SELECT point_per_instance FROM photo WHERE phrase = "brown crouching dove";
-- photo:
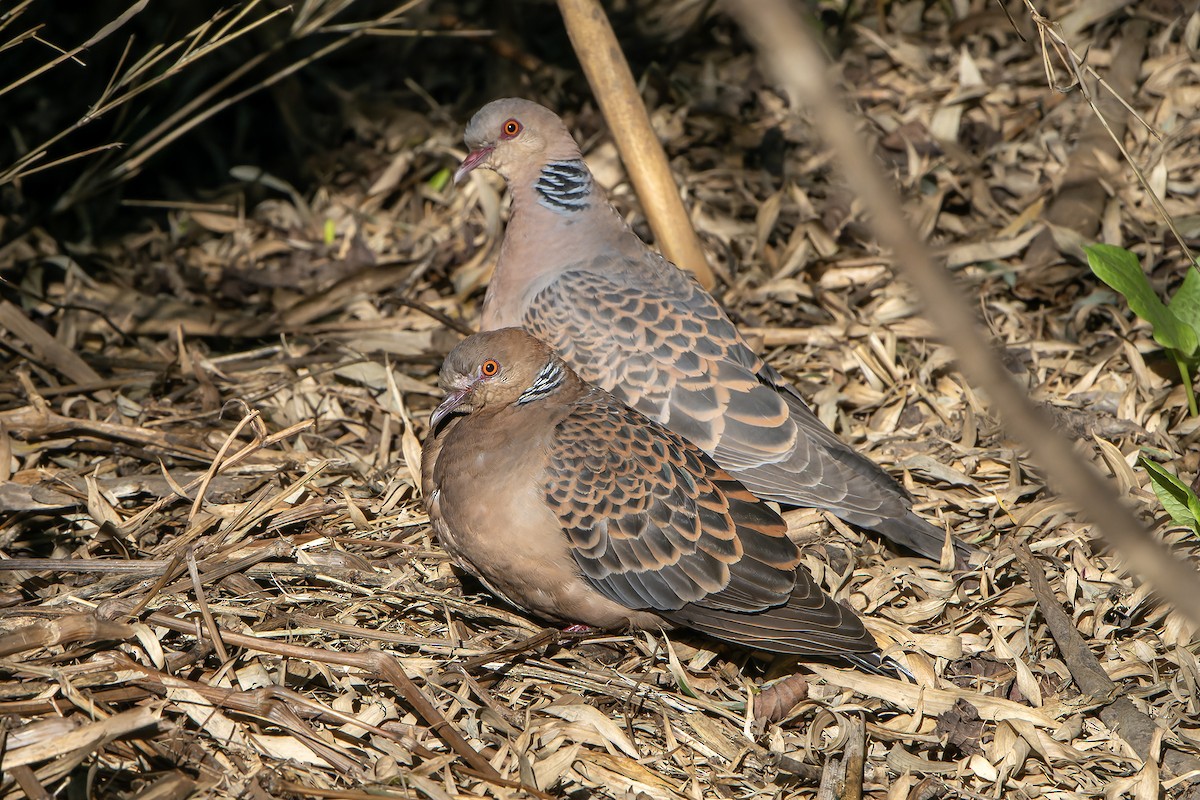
(565, 501)
(572, 273)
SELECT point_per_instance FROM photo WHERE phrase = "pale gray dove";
(566, 502)
(572, 272)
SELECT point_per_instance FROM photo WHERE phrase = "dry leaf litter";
(220, 430)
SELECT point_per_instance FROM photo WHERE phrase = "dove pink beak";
(473, 160)
(452, 401)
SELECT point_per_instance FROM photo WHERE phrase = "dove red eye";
(510, 129)
(489, 368)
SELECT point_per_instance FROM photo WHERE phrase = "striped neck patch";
(564, 186)
(545, 384)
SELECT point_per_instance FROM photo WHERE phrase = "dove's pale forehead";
(485, 125)
(509, 346)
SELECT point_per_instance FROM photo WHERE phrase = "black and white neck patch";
(565, 186)
(545, 384)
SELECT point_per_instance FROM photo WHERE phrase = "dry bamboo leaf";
(939, 471)
(1085, 15)
(718, 738)
(62, 357)
(150, 644)
(1149, 783)
(935, 701)
(410, 446)
(392, 175)
(993, 250)
(1118, 465)
(217, 223)
(207, 716)
(8, 465)
(85, 738)
(768, 215)
(287, 749)
(591, 717)
(983, 768)
(1009, 749)
(625, 776)
(474, 273)
(903, 761)
(100, 508)
(550, 769)
(1026, 682)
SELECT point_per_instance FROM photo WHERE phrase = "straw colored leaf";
(591, 717)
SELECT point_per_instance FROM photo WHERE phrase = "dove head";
(497, 369)
(515, 137)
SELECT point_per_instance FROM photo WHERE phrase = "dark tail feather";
(921, 537)
(822, 628)
(876, 664)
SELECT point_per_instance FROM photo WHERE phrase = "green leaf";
(1185, 305)
(1120, 269)
(1194, 507)
(1184, 365)
(1177, 498)
(439, 179)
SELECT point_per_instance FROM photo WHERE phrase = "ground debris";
(217, 577)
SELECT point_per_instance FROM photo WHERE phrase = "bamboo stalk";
(612, 83)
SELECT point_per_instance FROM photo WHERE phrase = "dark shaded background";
(289, 129)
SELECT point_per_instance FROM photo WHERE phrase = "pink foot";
(577, 629)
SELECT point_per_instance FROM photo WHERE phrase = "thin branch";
(1051, 31)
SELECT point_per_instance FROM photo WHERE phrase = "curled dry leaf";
(960, 728)
(773, 703)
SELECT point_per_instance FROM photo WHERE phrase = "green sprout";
(1176, 324)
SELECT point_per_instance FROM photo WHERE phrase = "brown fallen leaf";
(774, 702)
(960, 728)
